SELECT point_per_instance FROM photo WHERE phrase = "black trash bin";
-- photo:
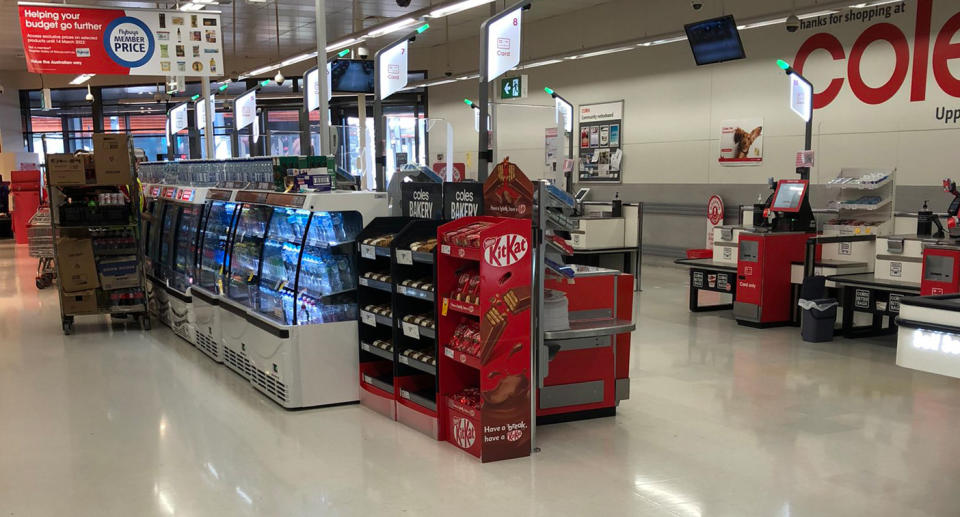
(819, 313)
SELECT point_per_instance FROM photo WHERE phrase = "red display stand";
(25, 191)
(485, 378)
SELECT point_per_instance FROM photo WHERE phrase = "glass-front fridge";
(151, 232)
(215, 245)
(171, 213)
(281, 256)
(328, 269)
(185, 247)
(244, 281)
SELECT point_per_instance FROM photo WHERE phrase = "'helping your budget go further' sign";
(60, 39)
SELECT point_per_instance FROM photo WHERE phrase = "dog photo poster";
(741, 142)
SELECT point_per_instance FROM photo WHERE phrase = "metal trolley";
(114, 231)
(40, 243)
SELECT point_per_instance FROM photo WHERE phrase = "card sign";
(801, 97)
(503, 45)
(463, 199)
(201, 111)
(392, 67)
(62, 39)
(178, 118)
(368, 252)
(368, 318)
(564, 114)
(312, 81)
(422, 200)
(405, 257)
(411, 330)
(245, 112)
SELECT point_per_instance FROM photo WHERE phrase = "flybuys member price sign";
(59, 39)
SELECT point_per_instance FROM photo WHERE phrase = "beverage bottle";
(336, 220)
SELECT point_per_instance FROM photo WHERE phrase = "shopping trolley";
(40, 243)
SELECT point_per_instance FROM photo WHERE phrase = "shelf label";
(411, 330)
(445, 249)
(405, 257)
(364, 282)
(846, 248)
(365, 347)
(368, 252)
(405, 394)
(369, 318)
(447, 351)
(404, 360)
(445, 306)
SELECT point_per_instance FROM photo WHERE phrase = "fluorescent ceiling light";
(297, 59)
(82, 78)
(667, 40)
(457, 7)
(546, 62)
(765, 23)
(603, 52)
(342, 44)
(393, 27)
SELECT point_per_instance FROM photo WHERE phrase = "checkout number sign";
(714, 217)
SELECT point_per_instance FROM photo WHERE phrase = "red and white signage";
(715, 213)
(60, 39)
(505, 250)
(503, 49)
(393, 70)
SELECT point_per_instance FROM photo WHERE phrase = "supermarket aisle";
(723, 421)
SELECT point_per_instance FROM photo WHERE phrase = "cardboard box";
(66, 170)
(114, 159)
(81, 302)
(119, 273)
(77, 267)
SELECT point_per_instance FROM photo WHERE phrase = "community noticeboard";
(60, 39)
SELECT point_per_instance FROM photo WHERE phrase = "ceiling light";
(82, 78)
(667, 40)
(603, 52)
(297, 59)
(535, 64)
(393, 27)
(191, 7)
(765, 23)
(341, 44)
(457, 7)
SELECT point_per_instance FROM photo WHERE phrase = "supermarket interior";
(538, 257)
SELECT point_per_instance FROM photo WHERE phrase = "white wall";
(674, 109)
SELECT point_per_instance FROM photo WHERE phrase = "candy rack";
(484, 331)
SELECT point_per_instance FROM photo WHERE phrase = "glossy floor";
(723, 420)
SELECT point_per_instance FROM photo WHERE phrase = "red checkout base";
(763, 296)
(941, 271)
(588, 376)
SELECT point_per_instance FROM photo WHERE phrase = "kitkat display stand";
(484, 274)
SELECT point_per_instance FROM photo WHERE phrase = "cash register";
(764, 297)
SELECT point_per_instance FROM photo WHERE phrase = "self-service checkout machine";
(941, 260)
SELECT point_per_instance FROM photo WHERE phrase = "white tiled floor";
(724, 421)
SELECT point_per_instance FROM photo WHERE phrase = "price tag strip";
(368, 252)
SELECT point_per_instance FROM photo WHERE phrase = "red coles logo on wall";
(505, 250)
(933, 49)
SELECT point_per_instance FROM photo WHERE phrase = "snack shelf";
(471, 309)
(415, 331)
(373, 319)
(460, 252)
(485, 354)
(418, 364)
(371, 252)
(375, 350)
(376, 284)
(378, 383)
(418, 399)
(415, 293)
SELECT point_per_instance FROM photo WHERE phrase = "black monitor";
(715, 40)
(352, 76)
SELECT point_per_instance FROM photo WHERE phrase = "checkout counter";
(603, 239)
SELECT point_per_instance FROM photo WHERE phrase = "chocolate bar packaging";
(508, 192)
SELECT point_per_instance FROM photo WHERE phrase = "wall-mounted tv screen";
(352, 76)
(715, 40)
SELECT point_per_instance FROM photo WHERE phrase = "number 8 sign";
(503, 47)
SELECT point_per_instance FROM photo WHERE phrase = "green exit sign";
(513, 87)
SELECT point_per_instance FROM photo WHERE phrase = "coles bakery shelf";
(484, 274)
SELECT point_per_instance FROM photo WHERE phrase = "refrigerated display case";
(190, 207)
(150, 224)
(289, 314)
(160, 247)
(242, 279)
(213, 262)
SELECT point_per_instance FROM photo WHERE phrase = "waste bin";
(819, 313)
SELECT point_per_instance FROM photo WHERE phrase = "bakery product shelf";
(376, 284)
(417, 364)
(419, 294)
(377, 351)
(419, 399)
